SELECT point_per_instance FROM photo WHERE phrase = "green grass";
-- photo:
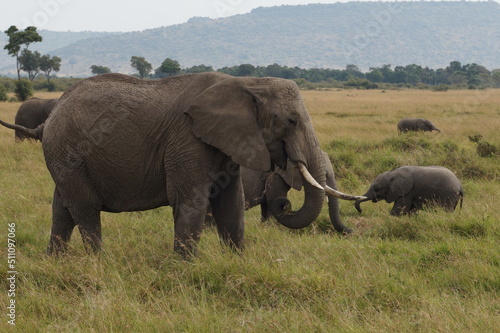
(431, 272)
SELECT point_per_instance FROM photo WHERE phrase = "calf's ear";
(400, 184)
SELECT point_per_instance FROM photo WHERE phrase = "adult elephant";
(33, 113)
(117, 143)
(411, 187)
(416, 124)
(264, 188)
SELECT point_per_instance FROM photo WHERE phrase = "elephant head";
(426, 125)
(388, 186)
(276, 128)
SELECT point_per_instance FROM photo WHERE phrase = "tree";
(375, 75)
(23, 89)
(455, 66)
(30, 63)
(168, 67)
(17, 39)
(199, 69)
(246, 70)
(99, 69)
(48, 64)
(141, 65)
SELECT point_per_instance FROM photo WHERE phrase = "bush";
(3, 93)
(484, 148)
(441, 87)
(23, 90)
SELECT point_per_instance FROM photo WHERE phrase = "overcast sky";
(120, 15)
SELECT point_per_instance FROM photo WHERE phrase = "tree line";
(472, 76)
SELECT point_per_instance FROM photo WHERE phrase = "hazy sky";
(119, 15)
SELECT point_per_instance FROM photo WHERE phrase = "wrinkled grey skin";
(263, 188)
(412, 187)
(33, 113)
(416, 124)
(116, 143)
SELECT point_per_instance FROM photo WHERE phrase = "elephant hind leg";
(62, 227)
(84, 213)
(228, 207)
(90, 229)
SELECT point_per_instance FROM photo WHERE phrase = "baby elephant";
(411, 187)
(33, 113)
(416, 124)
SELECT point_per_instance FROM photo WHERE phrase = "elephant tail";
(461, 194)
(35, 133)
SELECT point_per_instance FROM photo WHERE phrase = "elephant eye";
(292, 120)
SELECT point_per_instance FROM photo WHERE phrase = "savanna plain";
(430, 272)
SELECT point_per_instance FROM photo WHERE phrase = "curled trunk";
(313, 202)
(358, 202)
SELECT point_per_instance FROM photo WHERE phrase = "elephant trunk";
(358, 202)
(313, 202)
(334, 210)
(35, 133)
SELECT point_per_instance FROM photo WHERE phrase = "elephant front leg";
(189, 219)
(402, 206)
(228, 205)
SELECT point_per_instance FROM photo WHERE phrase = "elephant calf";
(416, 124)
(33, 113)
(411, 187)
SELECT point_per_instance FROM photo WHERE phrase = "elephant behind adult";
(33, 113)
(263, 188)
(412, 187)
(117, 143)
(416, 124)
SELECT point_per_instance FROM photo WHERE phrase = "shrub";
(3, 93)
(441, 87)
(486, 149)
(23, 89)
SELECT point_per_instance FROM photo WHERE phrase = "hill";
(366, 34)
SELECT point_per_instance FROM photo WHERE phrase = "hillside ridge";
(367, 34)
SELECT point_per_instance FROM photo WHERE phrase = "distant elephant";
(411, 187)
(416, 124)
(117, 143)
(33, 113)
(263, 188)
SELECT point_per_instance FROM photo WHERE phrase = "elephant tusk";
(307, 176)
(342, 195)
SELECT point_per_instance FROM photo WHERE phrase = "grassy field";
(431, 272)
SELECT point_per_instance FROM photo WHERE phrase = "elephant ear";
(291, 175)
(225, 116)
(400, 184)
